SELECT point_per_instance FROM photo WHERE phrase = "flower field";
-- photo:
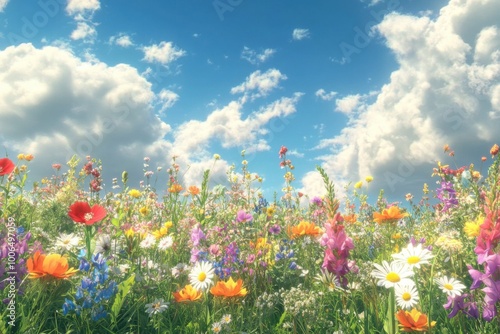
(183, 258)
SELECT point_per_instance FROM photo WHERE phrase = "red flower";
(81, 212)
(6, 166)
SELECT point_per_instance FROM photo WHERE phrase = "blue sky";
(372, 87)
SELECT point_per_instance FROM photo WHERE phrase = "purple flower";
(275, 229)
(197, 235)
(460, 303)
(243, 217)
(317, 201)
(447, 195)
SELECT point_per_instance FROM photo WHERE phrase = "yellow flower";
(144, 211)
(168, 224)
(358, 185)
(134, 193)
(162, 231)
(426, 188)
(472, 228)
(20, 156)
(130, 233)
(270, 211)
(216, 156)
(369, 179)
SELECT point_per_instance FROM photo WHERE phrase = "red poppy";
(81, 212)
(6, 166)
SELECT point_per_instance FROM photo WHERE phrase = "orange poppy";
(389, 215)
(305, 228)
(413, 321)
(187, 294)
(54, 265)
(193, 190)
(229, 288)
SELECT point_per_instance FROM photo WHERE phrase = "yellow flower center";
(448, 286)
(88, 216)
(393, 277)
(406, 296)
(66, 241)
(202, 276)
(413, 259)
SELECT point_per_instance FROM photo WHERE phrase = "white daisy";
(226, 319)
(390, 274)
(201, 276)
(148, 241)
(158, 306)
(216, 327)
(67, 241)
(165, 243)
(414, 255)
(452, 287)
(406, 295)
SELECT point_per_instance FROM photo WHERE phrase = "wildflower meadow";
(189, 258)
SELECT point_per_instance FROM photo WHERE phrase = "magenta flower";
(243, 217)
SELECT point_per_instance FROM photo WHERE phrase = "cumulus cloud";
(262, 83)
(82, 6)
(84, 31)
(347, 104)
(255, 58)
(122, 40)
(299, 34)
(82, 12)
(445, 91)
(3, 4)
(322, 94)
(228, 126)
(163, 53)
(55, 105)
(167, 99)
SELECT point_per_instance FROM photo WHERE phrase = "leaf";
(123, 289)
(390, 321)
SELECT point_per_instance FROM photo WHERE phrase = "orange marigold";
(187, 294)
(305, 228)
(194, 190)
(389, 215)
(54, 265)
(413, 321)
(229, 288)
(175, 188)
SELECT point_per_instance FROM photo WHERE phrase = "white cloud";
(322, 94)
(3, 4)
(54, 105)
(122, 40)
(230, 128)
(255, 58)
(347, 104)
(82, 12)
(81, 6)
(445, 91)
(84, 31)
(299, 34)
(163, 53)
(263, 83)
(167, 99)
